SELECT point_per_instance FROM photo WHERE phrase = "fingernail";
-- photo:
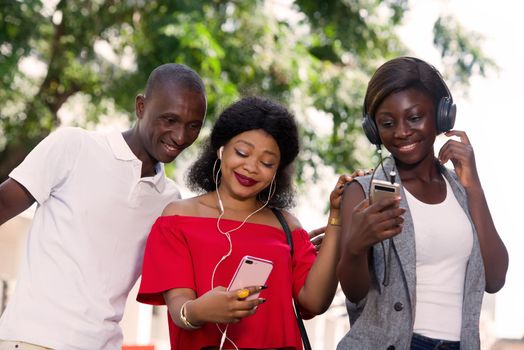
(340, 187)
(262, 300)
(263, 287)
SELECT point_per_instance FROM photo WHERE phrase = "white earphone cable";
(272, 189)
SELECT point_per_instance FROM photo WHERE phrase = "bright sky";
(492, 103)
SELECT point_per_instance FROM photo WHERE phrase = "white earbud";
(220, 151)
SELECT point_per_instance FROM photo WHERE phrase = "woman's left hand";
(317, 236)
(463, 158)
(336, 194)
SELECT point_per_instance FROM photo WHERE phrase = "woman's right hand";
(374, 223)
(222, 306)
(363, 225)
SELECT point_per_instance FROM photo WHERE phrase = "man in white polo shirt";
(98, 195)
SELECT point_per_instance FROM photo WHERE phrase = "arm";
(45, 167)
(317, 235)
(352, 269)
(321, 283)
(494, 253)
(216, 306)
(363, 226)
(14, 199)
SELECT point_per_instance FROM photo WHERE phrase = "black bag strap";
(301, 327)
(285, 226)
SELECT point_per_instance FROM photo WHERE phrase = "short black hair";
(251, 113)
(174, 74)
(404, 73)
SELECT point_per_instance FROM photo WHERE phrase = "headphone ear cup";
(446, 114)
(370, 130)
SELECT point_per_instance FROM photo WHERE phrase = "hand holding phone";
(251, 271)
(383, 189)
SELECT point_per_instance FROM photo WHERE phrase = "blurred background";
(82, 63)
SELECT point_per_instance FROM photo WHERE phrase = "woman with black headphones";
(414, 266)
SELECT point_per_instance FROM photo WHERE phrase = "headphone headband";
(417, 61)
(436, 71)
(445, 110)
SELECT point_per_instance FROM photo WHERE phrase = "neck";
(132, 139)
(425, 171)
(234, 205)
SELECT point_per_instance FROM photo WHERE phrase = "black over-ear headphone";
(445, 118)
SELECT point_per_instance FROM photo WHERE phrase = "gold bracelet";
(184, 319)
(334, 221)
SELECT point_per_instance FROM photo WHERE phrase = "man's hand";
(316, 236)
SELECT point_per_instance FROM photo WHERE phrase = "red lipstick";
(245, 181)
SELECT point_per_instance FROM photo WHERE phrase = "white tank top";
(444, 239)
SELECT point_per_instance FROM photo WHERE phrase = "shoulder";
(184, 207)
(363, 181)
(58, 151)
(70, 133)
(72, 137)
(291, 220)
(355, 188)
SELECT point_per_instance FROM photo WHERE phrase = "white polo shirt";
(85, 247)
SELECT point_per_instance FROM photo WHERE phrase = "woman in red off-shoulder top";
(195, 247)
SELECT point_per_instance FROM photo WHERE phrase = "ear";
(140, 105)
(220, 152)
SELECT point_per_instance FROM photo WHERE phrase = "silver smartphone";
(251, 271)
(383, 189)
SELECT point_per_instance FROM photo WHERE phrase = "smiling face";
(249, 162)
(169, 121)
(406, 125)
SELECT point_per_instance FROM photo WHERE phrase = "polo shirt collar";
(159, 179)
(121, 151)
(119, 146)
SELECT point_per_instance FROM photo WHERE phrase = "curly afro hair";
(251, 113)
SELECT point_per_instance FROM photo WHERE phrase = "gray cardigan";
(384, 319)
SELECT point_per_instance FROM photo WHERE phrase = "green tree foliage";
(314, 56)
(461, 50)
